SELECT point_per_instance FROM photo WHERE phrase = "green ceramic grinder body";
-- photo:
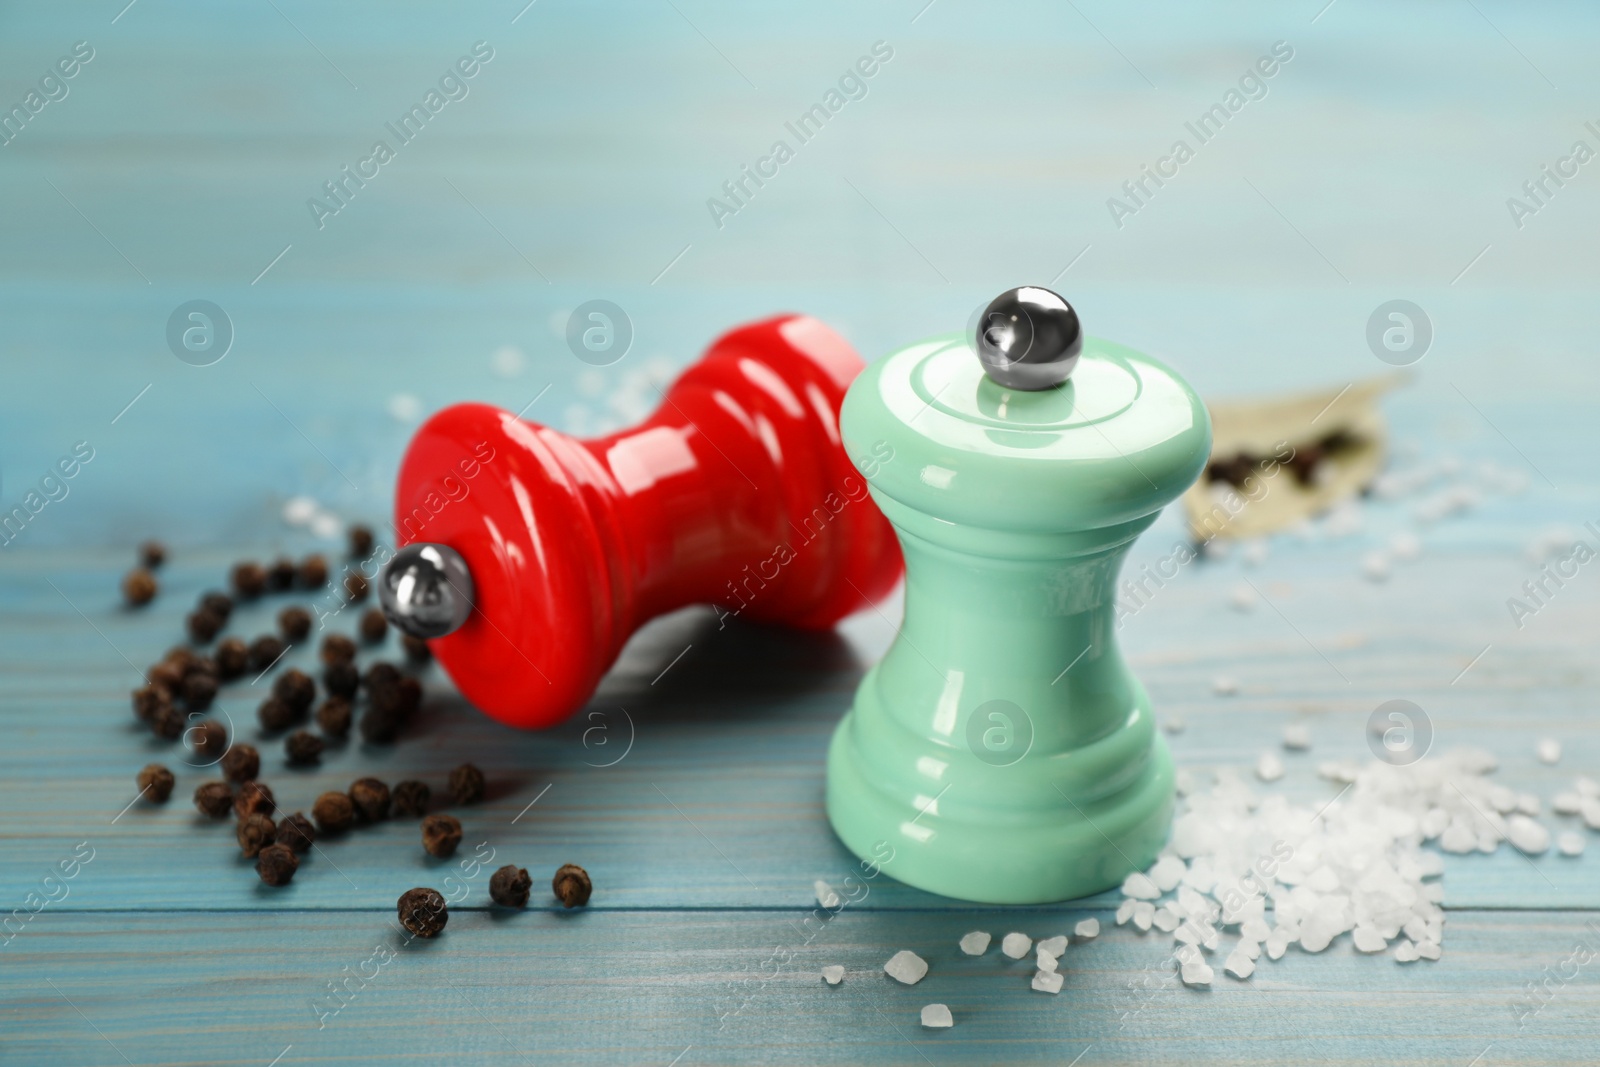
(1002, 751)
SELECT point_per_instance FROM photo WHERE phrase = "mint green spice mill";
(1002, 748)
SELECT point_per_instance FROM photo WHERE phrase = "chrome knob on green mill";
(1002, 751)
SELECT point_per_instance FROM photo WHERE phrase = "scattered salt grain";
(1297, 737)
(1528, 836)
(1255, 552)
(936, 1017)
(1277, 944)
(1014, 945)
(1405, 952)
(1195, 972)
(1173, 724)
(299, 510)
(326, 526)
(1269, 768)
(1144, 913)
(1055, 946)
(1124, 913)
(1527, 803)
(1224, 686)
(1367, 939)
(1046, 962)
(1570, 843)
(1549, 750)
(1429, 950)
(1140, 887)
(404, 407)
(1048, 981)
(1165, 919)
(1375, 567)
(1590, 810)
(975, 943)
(1586, 786)
(1405, 545)
(1167, 873)
(906, 967)
(826, 896)
(1568, 803)
(1242, 597)
(1239, 964)
(833, 975)
(1087, 929)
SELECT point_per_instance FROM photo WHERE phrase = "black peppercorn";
(417, 650)
(253, 798)
(355, 587)
(168, 722)
(422, 912)
(209, 739)
(381, 674)
(280, 575)
(255, 832)
(303, 747)
(297, 832)
(152, 554)
(200, 663)
(466, 784)
(139, 587)
(275, 715)
(440, 835)
(337, 648)
(341, 680)
(571, 885)
(199, 690)
(360, 542)
(203, 626)
(218, 603)
(313, 572)
(155, 783)
(248, 579)
(509, 886)
(276, 864)
(374, 626)
(334, 813)
(334, 717)
(411, 798)
(166, 676)
(295, 688)
(214, 799)
(233, 657)
(241, 763)
(265, 651)
(149, 699)
(294, 623)
(371, 798)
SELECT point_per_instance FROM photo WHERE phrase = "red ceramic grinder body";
(736, 492)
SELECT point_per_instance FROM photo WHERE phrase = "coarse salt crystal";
(1139, 886)
(975, 943)
(299, 510)
(826, 895)
(1224, 686)
(1124, 912)
(1297, 736)
(936, 1017)
(1528, 836)
(1570, 843)
(1048, 981)
(1405, 545)
(1375, 567)
(906, 967)
(1016, 945)
(1405, 952)
(1429, 950)
(1167, 872)
(1144, 913)
(1173, 724)
(1239, 964)
(1269, 768)
(1368, 940)
(833, 975)
(1165, 919)
(1568, 803)
(1045, 961)
(326, 526)
(1087, 929)
(1196, 973)
(1590, 810)
(1242, 597)
(1055, 946)
(1586, 786)
(1549, 750)
(1255, 552)
(1528, 803)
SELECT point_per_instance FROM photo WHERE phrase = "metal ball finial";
(426, 590)
(1029, 339)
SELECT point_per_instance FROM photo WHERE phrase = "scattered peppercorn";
(241, 763)
(214, 799)
(356, 587)
(275, 715)
(199, 690)
(167, 676)
(149, 699)
(253, 798)
(168, 723)
(248, 579)
(255, 832)
(181, 657)
(276, 864)
(297, 832)
(509, 886)
(265, 651)
(440, 835)
(313, 572)
(466, 784)
(303, 747)
(422, 912)
(374, 626)
(411, 798)
(294, 623)
(218, 603)
(295, 688)
(360, 542)
(334, 813)
(152, 554)
(334, 717)
(155, 783)
(388, 708)
(203, 626)
(139, 587)
(232, 658)
(280, 575)
(380, 674)
(209, 738)
(337, 648)
(572, 886)
(341, 680)
(417, 650)
(371, 798)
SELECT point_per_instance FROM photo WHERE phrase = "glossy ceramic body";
(1002, 751)
(737, 491)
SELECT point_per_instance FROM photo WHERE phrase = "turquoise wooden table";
(189, 157)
